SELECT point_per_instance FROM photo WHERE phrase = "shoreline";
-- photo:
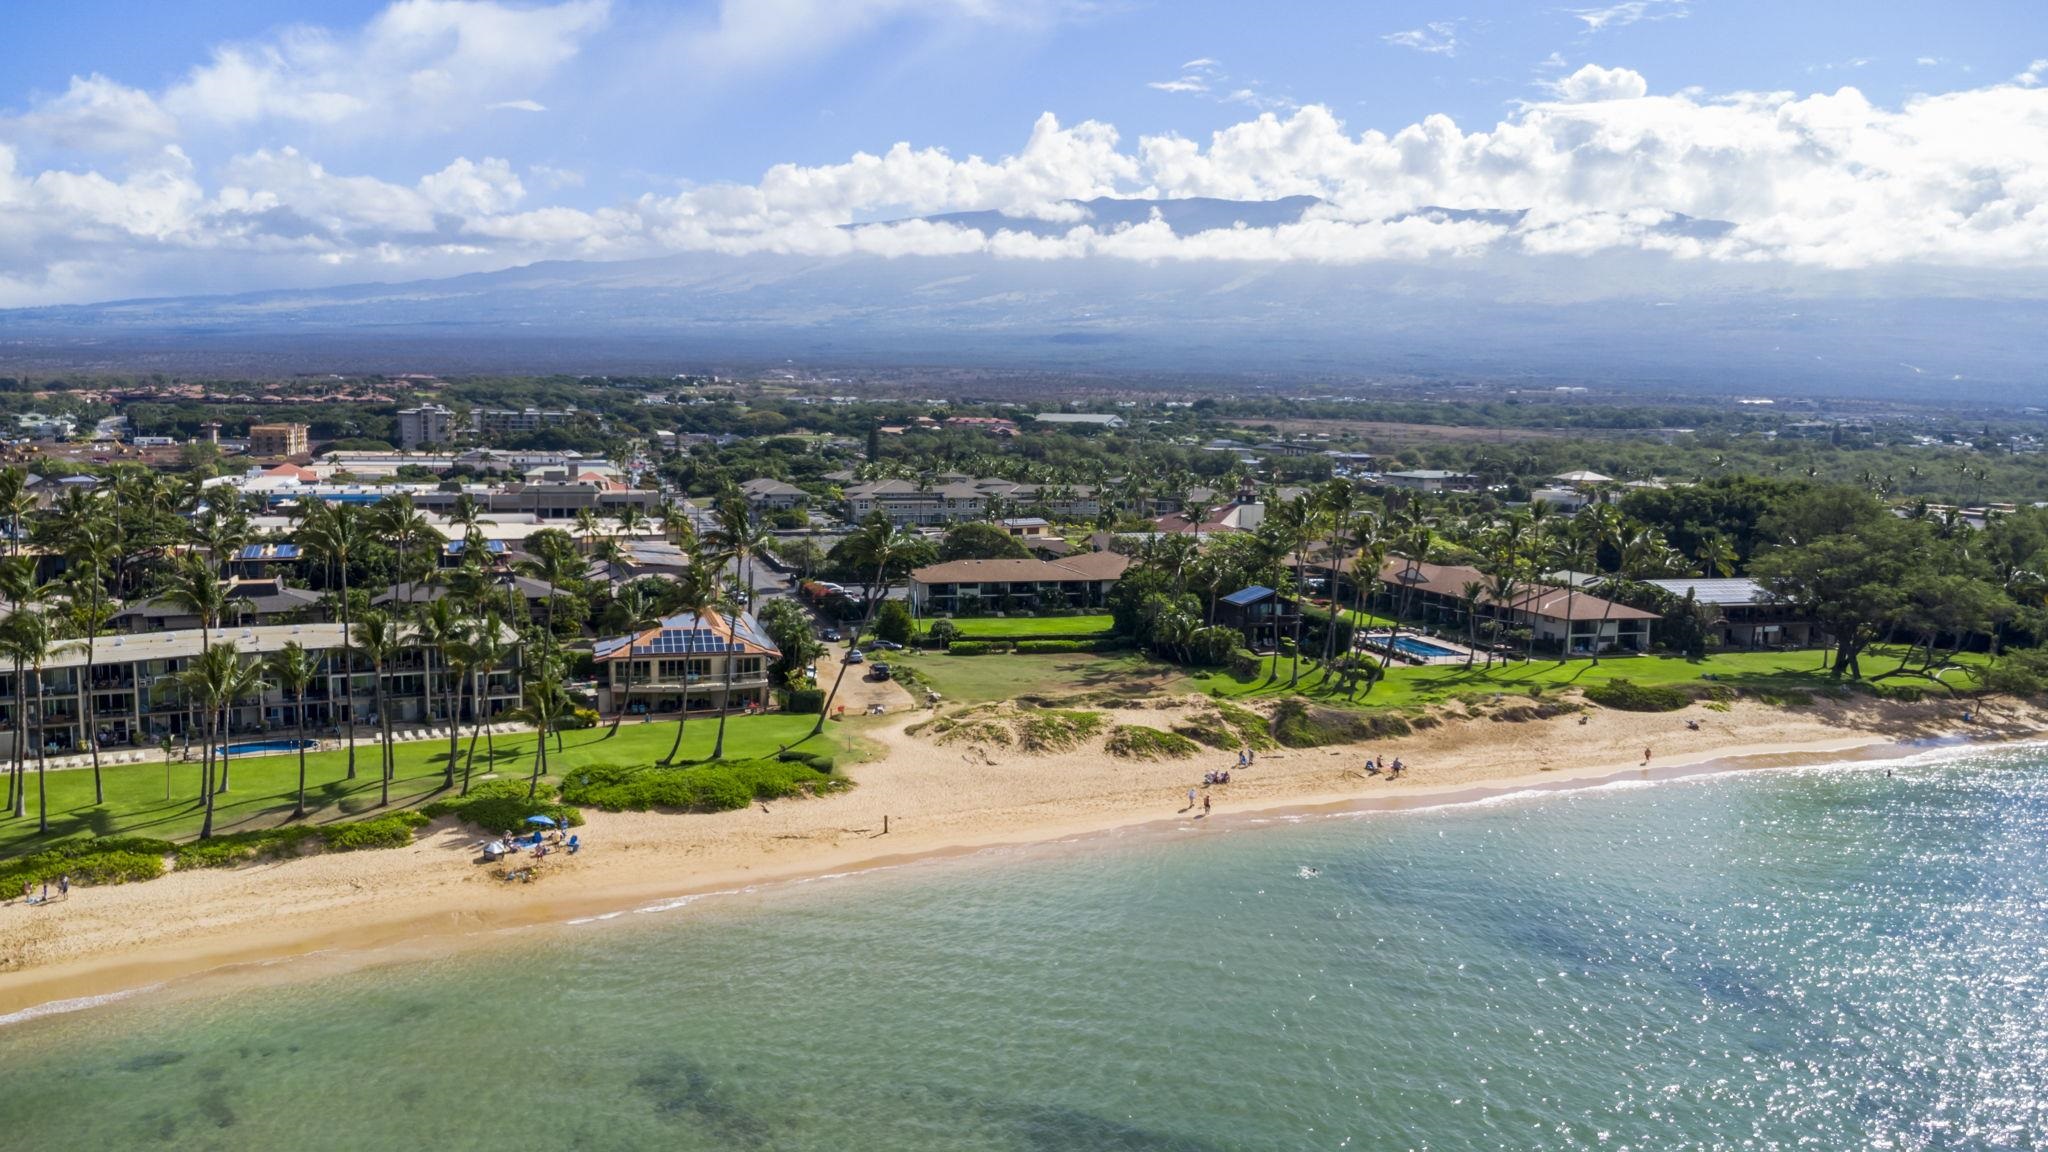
(227, 934)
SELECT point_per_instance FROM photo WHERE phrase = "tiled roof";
(1086, 566)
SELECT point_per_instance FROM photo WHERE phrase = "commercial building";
(1430, 480)
(496, 422)
(279, 440)
(955, 499)
(427, 424)
(706, 663)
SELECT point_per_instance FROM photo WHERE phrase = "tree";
(545, 703)
(88, 611)
(631, 612)
(437, 627)
(377, 635)
(975, 540)
(1851, 582)
(18, 587)
(332, 534)
(215, 680)
(878, 546)
(893, 622)
(30, 639)
(790, 628)
(482, 651)
(296, 669)
(403, 527)
(556, 563)
(692, 595)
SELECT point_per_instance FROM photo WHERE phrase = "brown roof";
(1085, 566)
(1536, 599)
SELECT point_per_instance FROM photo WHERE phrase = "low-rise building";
(1082, 580)
(1746, 614)
(1429, 480)
(766, 495)
(689, 662)
(136, 699)
(1558, 617)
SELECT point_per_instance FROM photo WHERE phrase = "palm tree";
(19, 589)
(30, 639)
(15, 503)
(296, 669)
(400, 524)
(1502, 586)
(739, 538)
(1336, 500)
(332, 533)
(692, 595)
(557, 563)
(1716, 556)
(545, 704)
(1471, 591)
(216, 680)
(631, 612)
(437, 626)
(377, 635)
(88, 611)
(483, 650)
(878, 544)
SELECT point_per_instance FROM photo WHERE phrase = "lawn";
(264, 786)
(1004, 677)
(1408, 685)
(1028, 626)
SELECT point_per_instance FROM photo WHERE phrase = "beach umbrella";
(541, 820)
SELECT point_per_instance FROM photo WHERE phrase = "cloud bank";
(1601, 163)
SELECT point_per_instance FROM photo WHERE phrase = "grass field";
(265, 786)
(980, 626)
(1001, 677)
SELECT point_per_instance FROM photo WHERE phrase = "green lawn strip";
(1014, 627)
(967, 679)
(264, 786)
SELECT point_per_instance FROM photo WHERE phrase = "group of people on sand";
(28, 891)
(1375, 765)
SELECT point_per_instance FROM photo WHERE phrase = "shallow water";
(1826, 958)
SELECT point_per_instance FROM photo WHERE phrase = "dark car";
(829, 635)
(879, 670)
(886, 645)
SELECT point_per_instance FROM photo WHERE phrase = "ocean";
(1850, 956)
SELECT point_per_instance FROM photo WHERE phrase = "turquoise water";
(1826, 958)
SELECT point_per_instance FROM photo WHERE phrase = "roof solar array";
(686, 641)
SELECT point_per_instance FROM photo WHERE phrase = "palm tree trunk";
(453, 699)
(868, 614)
(16, 799)
(299, 813)
(206, 774)
(348, 673)
(384, 738)
(724, 709)
(540, 762)
(99, 791)
(42, 762)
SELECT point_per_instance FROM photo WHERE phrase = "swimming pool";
(265, 747)
(1420, 649)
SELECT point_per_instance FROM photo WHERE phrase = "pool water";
(266, 747)
(1421, 649)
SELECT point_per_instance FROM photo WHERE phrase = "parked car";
(853, 656)
(829, 635)
(886, 645)
(879, 670)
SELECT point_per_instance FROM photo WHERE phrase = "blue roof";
(1251, 595)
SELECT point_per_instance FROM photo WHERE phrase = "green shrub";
(1628, 696)
(1297, 723)
(243, 847)
(806, 701)
(1245, 665)
(817, 761)
(715, 787)
(107, 860)
(1208, 728)
(976, 647)
(1136, 742)
(393, 830)
(941, 633)
(578, 718)
(893, 622)
(1051, 646)
(502, 806)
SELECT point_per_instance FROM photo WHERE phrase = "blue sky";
(602, 109)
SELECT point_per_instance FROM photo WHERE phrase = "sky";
(182, 147)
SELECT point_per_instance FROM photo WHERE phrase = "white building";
(427, 424)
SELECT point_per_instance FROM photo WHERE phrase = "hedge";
(108, 860)
(716, 787)
(1048, 647)
(502, 806)
(804, 700)
(391, 831)
(976, 648)
(1628, 696)
(816, 761)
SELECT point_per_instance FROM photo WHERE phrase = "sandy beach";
(937, 799)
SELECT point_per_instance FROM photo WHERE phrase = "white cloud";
(1630, 12)
(96, 114)
(517, 106)
(1831, 180)
(1198, 62)
(1593, 82)
(418, 65)
(1184, 84)
(1439, 37)
(2033, 74)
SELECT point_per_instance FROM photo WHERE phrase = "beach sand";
(937, 799)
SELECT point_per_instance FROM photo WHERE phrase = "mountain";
(1625, 319)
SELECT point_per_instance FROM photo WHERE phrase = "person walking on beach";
(1646, 755)
(1191, 801)
(64, 886)
(1205, 805)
